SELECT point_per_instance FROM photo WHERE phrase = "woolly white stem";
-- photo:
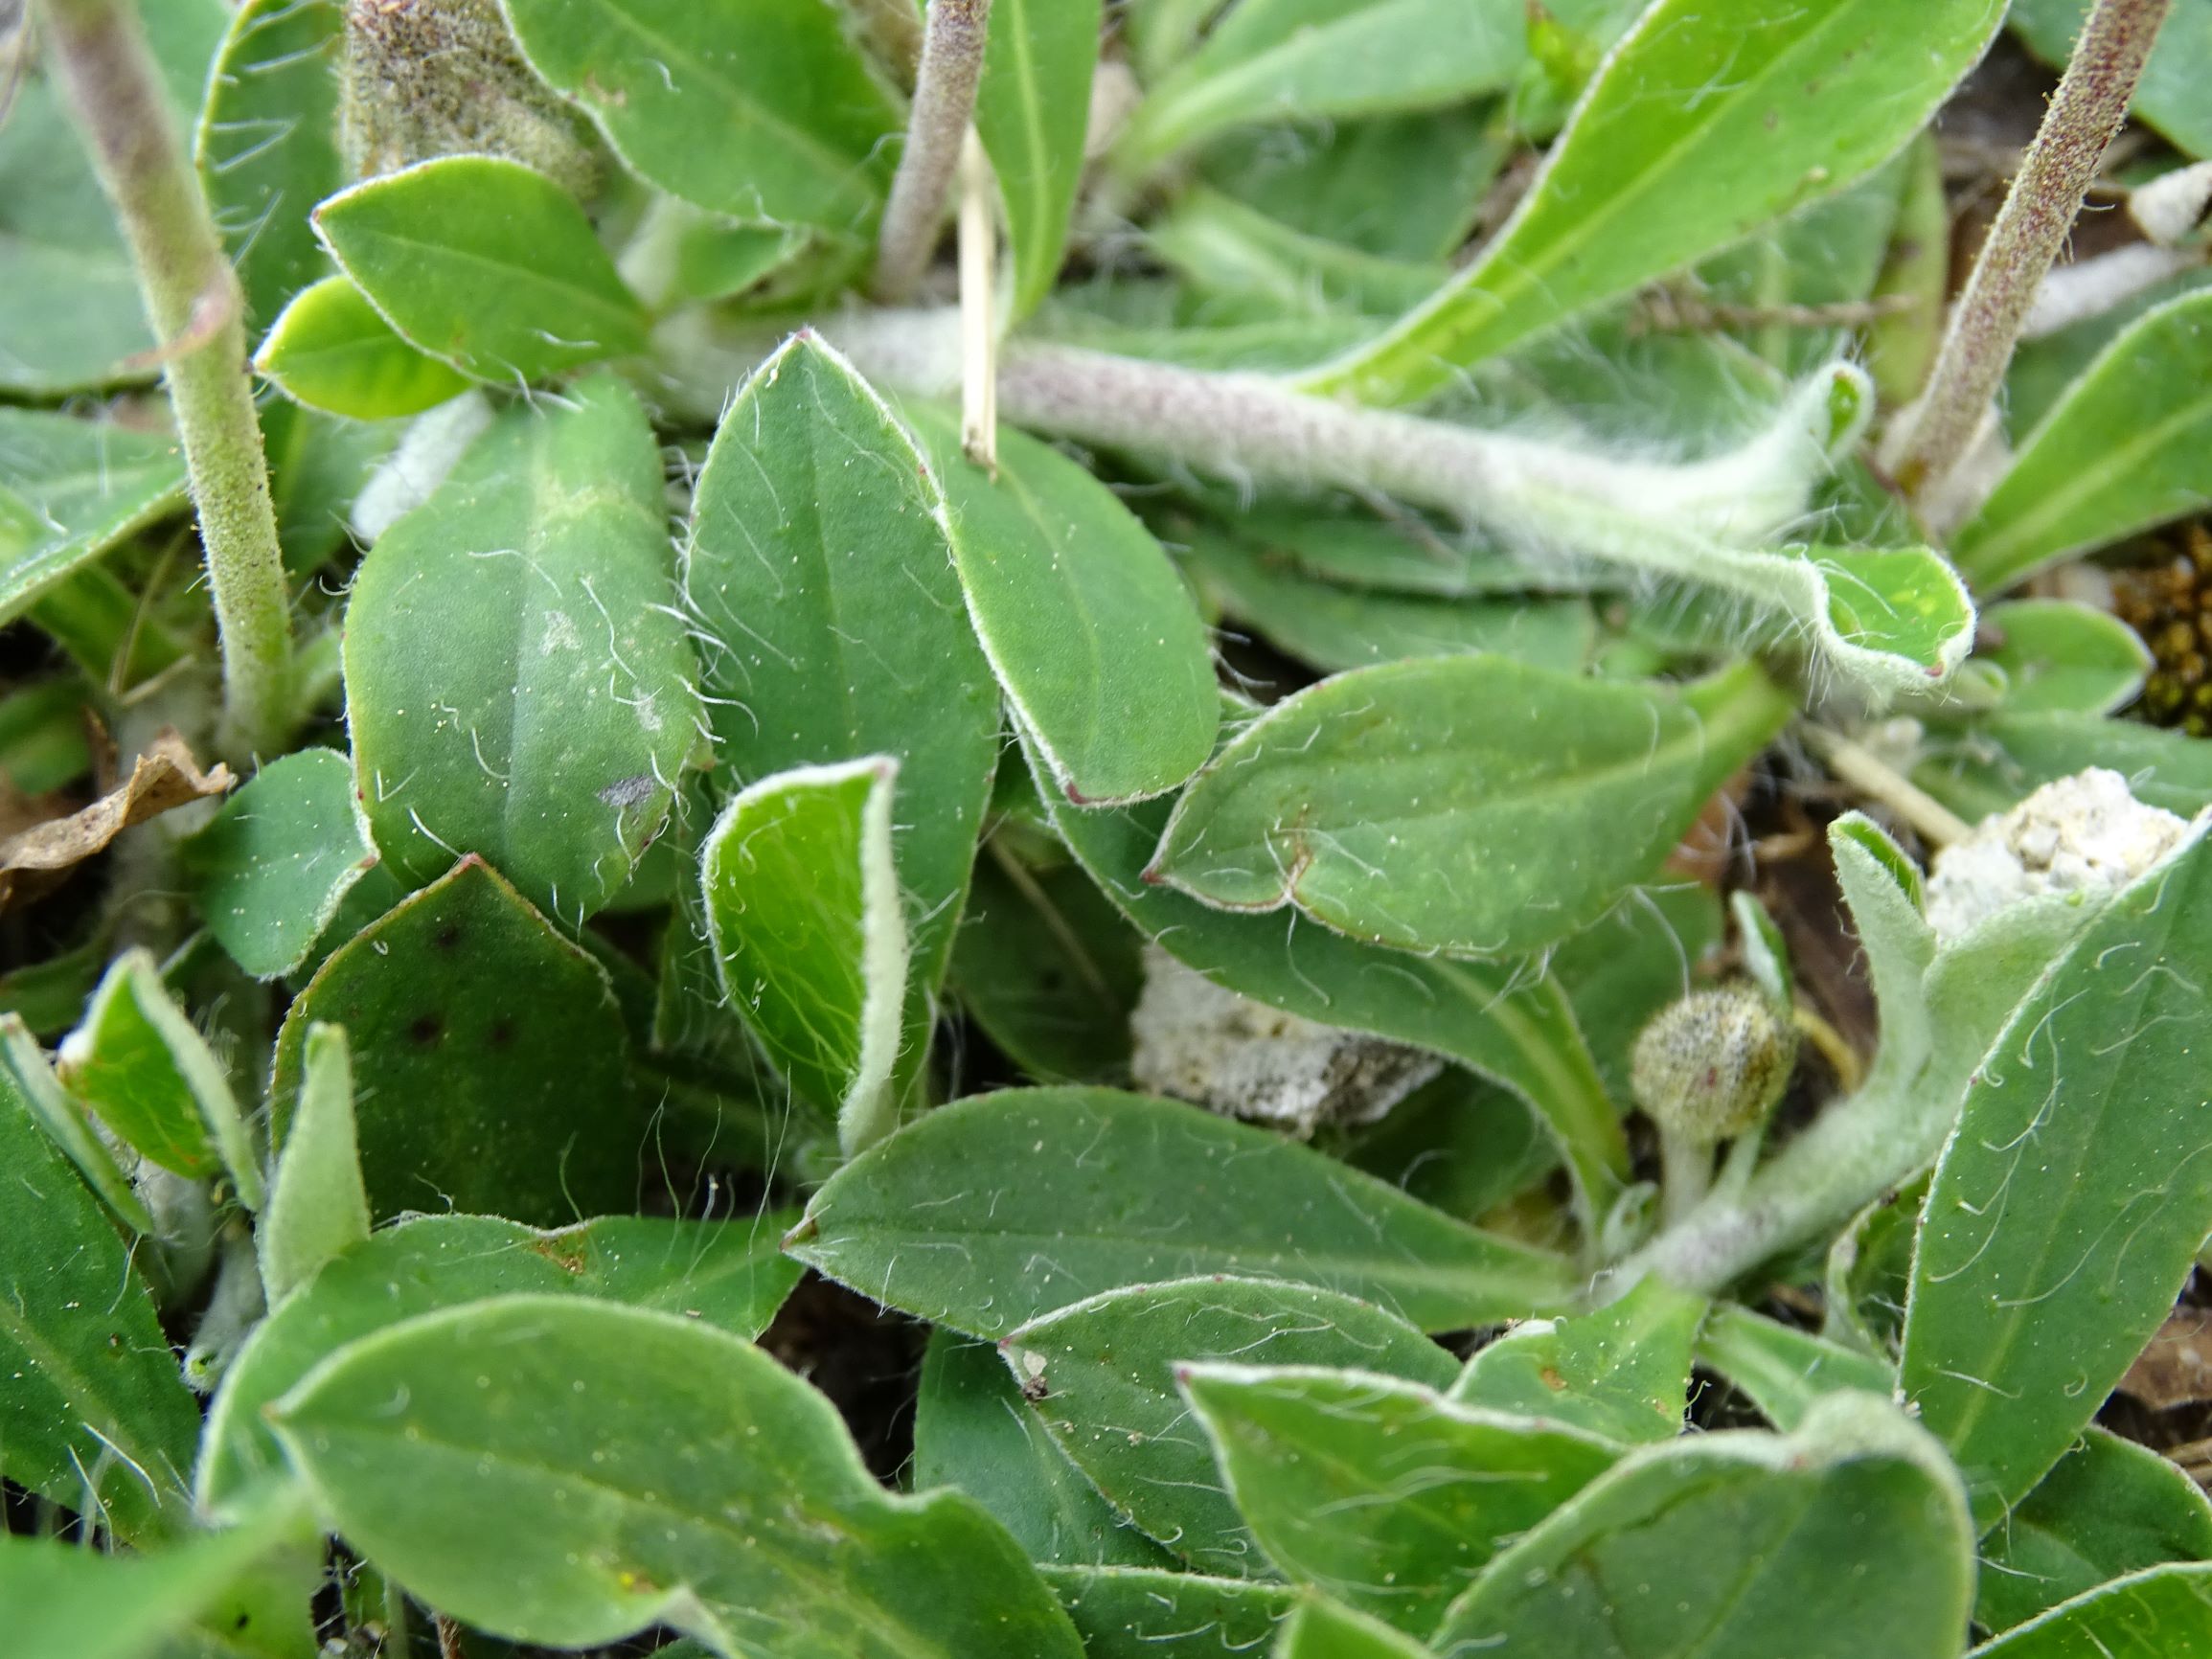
(978, 292)
(952, 41)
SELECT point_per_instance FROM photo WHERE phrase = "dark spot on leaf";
(502, 1034)
(426, 1030)
(448, 937)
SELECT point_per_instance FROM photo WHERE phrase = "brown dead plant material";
(162, 777)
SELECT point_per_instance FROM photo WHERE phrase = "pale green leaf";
(93, 1414)
(1275, 60)
(140, 1061)
(332, 350)
(2150, 1615)
(2110, 1507)
(570, 1472)
(1707, 121)
(519, 679)
(1084, 621)
(1324, 1629)
(1394, 804)
(1145, 1613)
(759, 109)
(1991, 765)
(1032, 110)
(318, 1208)
(2123, 450)
(2069, 1206)
(1848, 1540)
(830, 625)
(1621, 1370)
(726, 1273)
(1103, 1374)
(972, 1431)
(466, 996)
(69, 491)
(1786, 1372)
(1382, 1492)
(65, 1124)
(271, 869)
(1503, 1021)
(802, 904)
(267, 143)
(993, 1210)
(2062, 657)
(484, 263)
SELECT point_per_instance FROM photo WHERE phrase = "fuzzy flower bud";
(1711, 1066)
(430, 78)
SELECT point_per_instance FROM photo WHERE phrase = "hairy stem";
(2030, 229)
(192, 300)
(945, 84)
(1874, 778)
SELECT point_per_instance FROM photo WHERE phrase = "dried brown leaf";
(162, 779)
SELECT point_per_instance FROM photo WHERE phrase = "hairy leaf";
(1032, 111)
(1622, 1371)
(1394, 804)
(332, 350)
(483, 263)
(1385, 1494)
(518, 682)
(726, 1273)
(993, 1210)
(1706, 122)
(569, 1473)
(69, 491)
(1103, 1376)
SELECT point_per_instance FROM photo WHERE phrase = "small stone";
(1199, 1042)
(2085, 834)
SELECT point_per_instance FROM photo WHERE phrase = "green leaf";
(1632, 963)
(993, 1210)
(1103, 1374)
(1048, 969)
(74, 321)
(1392, 804)
(2169, 96)
(1503, 1020)
(267, 143)
(1145, 1613)
(1336, 628)
(830, 624)
(2106, 1509)
(1622, 1371)
(1274, 60)
(760, 109)
(1226, 250)
(1787, 1371)
(140, 1063)
(61, 1598)
(972, 1431)
(1848, 1540)
(1032, 110)
(272, 868)
(2069, 1204)
(2063, 657)
(66, 1126)
(802, 906)
(332, 350)
(69, 491)
(1382, 1493)
(318, 1208)
(489, 1054)
(690, 1481)
(1869, 1271)
(93, 1414)
(1707, 121)
(484, 263)
(1406, 188)
(1084, 621)
(2150, 1615)
(727, 1273)
(518, 680)
(2121, 451)
(1989, 766)
(1324, 1629)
